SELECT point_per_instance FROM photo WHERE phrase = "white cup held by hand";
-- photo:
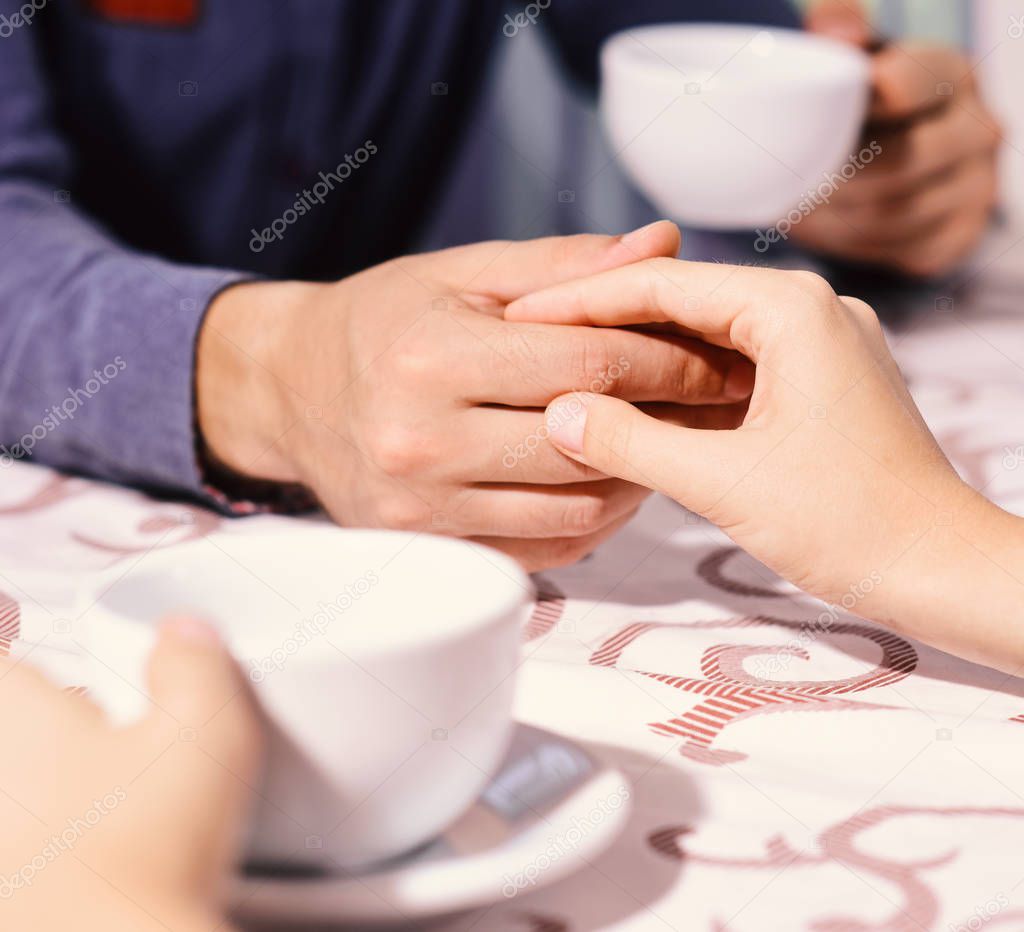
(383, 663)
(728, 127)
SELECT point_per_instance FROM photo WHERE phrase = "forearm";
(96, 347)
(960, 586)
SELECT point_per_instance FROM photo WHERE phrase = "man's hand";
(921, 206)
(403, 399)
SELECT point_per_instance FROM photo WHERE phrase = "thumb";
(845, 20)
(618, 439)
(200, 693)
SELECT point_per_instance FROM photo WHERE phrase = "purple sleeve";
(97, 342)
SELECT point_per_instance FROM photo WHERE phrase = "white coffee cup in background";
(383, 662)
(728, 127)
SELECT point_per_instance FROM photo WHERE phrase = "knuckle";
(863, 311)
(661, 269)
(589, 358)
(402, 513)
(565, 249)
(697, 375)
(662, 265)
(865, 319)
(813, 286)
(414, 361)
(564, 551)
(522, 347)
(398, 451)
(583, 517)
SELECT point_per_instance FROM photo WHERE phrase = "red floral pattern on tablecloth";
(842, 843)
(10, 622)
(548, 609)
(730, 694)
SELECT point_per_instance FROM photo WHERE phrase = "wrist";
(960, 586)
(246, 396)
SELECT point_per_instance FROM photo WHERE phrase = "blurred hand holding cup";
(728, 127)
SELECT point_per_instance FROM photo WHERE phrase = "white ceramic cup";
(384, 664)
(729, 127)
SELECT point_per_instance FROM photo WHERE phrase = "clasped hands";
(402, 397)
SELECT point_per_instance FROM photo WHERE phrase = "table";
(862, 782)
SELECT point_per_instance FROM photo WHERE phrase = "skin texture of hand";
(833, 480)
(129, 829)
(921, 206)
(403, 399)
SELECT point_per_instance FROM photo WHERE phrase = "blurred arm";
(96, 341)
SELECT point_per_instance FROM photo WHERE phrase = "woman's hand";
(832, 480)
(125, 829)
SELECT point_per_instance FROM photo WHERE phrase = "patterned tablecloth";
(784, 777)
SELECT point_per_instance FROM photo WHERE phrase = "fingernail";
(739, 383)
(636, 235)
(567, 421)
(192, 629)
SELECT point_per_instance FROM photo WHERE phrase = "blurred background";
(537, 136)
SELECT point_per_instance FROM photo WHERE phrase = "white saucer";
(550, 810)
